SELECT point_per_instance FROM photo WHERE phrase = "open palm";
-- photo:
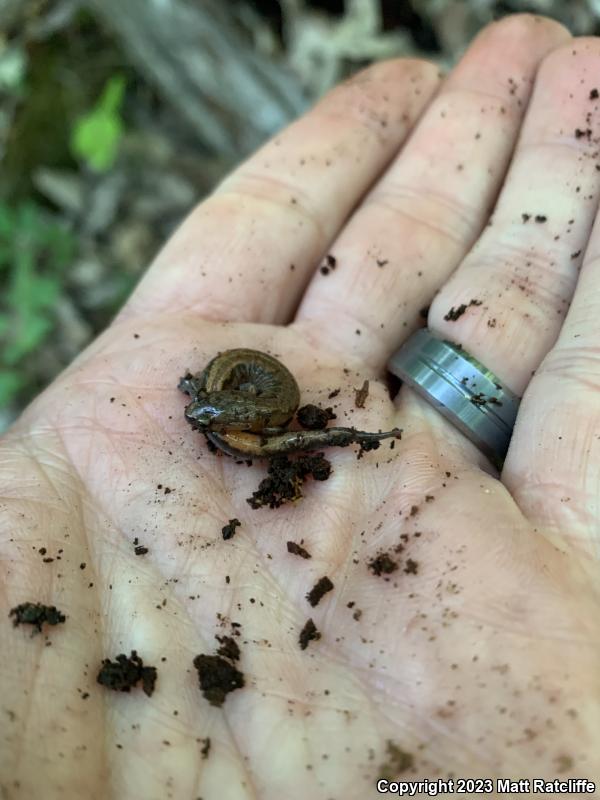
(460, 637)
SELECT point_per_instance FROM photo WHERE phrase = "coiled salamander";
(244, 400)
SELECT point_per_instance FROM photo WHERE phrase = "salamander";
(243, 402)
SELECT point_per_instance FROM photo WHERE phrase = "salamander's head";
(224, 410)
(200, 414)
(205, 416)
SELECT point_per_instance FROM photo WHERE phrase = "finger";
(515, 286)
(246, 252)
(552, 467)
(522, 275)
(517, 281)
(426, 211)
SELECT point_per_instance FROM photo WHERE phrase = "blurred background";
(116, 116)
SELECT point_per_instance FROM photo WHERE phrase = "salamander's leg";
(191, 384)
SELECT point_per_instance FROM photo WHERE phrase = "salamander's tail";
(253, 445)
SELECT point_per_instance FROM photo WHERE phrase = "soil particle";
(383, 564)
(411, 567)
(217, 677)
(360, 395)
(329, 265)
(205, 749)
(229, 648)
(541, 218)
(594, 94)
(313, 418)
(228, 530)
(333, 394)
(297, 550)
(283, 483)
(398, 761)
(456, 313)
(481, 399)
(124, 673)
(309, 633)
(140, 550)
(36, 614)
(564, 763)
(366, 446)
(321, 587)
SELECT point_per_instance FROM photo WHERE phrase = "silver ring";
(470, 396)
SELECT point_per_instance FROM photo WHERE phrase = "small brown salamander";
(244, 400)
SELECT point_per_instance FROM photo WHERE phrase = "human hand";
(479, 656)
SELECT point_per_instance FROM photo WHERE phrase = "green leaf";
(32, 332)
(96, 136)
(33, 258)
(10, 384)
(7, 221)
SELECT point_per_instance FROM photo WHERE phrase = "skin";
(248, 416)
(484, 659)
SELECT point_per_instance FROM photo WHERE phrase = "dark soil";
(313, 418)
(329, 265)
(283, 483)
(125, 673)
(36, 614)
(383, 564)
(217, 678)
(309, 633)
(321, 587)
(366, 446)
(228, 530)
(297, 550)
(398, 761)
(360, 395)
(456, 313)
(229, 648)
(411, 567)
